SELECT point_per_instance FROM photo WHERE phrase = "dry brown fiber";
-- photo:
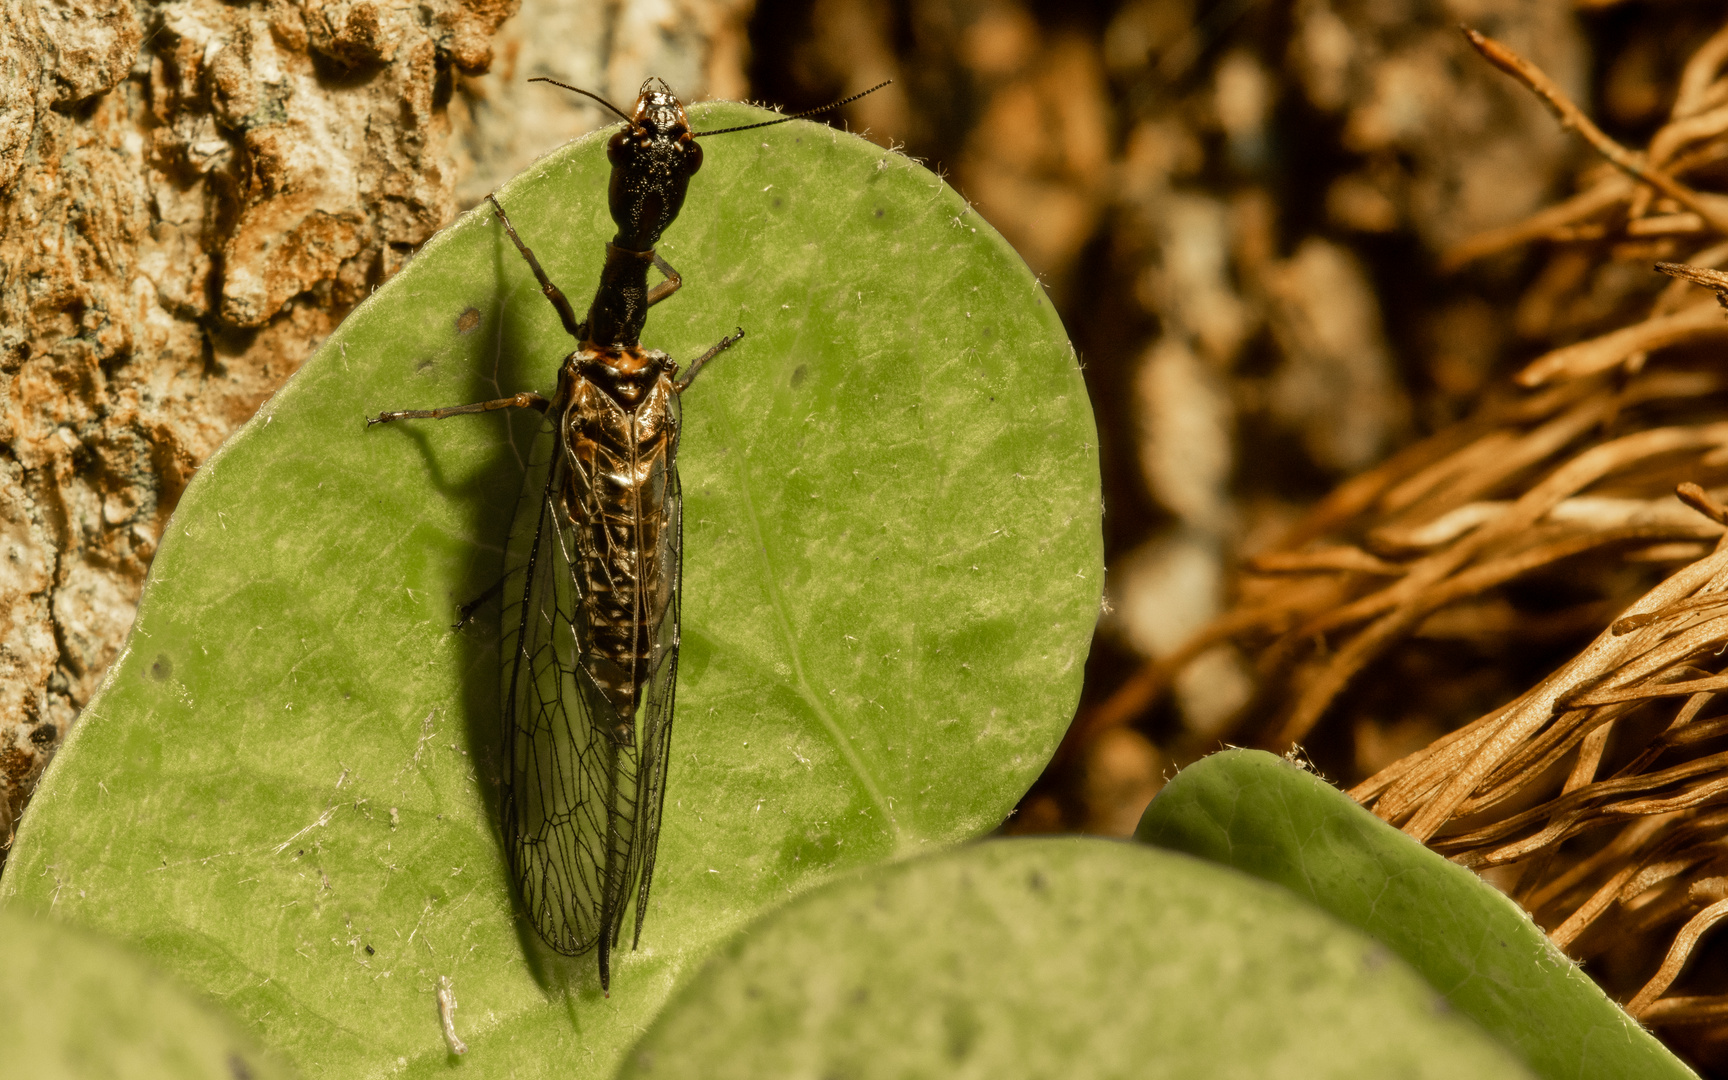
(1601, 791)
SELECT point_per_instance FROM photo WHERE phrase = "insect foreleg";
(526, 400)
(666, 288)
(696, 365)
(565, 312)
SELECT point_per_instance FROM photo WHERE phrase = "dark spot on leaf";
(423, 366)
(776, 202)
(370, 951)
(161, 668)
(1035, 881)
(878, 211)
(753, 991)
(468, 320)
(799, 373)
(861, 995)
(238, 1068)
(44, 735)
(960, 1029)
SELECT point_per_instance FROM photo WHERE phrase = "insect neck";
(620, 305)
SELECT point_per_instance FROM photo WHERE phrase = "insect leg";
(528, 400)
(696, 365)
(565, 312)
(666, 288)
(466, 611)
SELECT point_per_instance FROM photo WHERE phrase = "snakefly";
(592, 577)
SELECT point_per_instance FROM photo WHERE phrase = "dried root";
(1427, 545)
(1599, 796)
(1605, 786)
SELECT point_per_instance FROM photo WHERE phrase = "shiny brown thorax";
(620, 438)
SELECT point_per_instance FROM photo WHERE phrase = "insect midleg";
(696, 365)
(566, 313)
(525, 400)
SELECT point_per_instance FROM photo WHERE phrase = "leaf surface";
(73, 1006)
(1062, 958)
(286, 792)
(1262, 815)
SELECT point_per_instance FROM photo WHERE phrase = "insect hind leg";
(466, 611)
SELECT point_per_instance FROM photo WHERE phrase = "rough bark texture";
(192, 195)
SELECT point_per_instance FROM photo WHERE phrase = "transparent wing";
(569, 791)
(663, 683)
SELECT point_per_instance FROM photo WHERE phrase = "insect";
(592, 580)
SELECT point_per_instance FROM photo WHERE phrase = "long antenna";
(794, 116)
(596, 97)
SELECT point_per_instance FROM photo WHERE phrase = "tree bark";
(192, 195)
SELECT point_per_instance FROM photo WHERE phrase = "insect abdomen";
(617, 498)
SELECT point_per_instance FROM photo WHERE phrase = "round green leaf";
(73, 1007)
(286, 792)
(1262, 815)
(1064, 958)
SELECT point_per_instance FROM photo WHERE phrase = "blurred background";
(1255, 218)
(1262, 221)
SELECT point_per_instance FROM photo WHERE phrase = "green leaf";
(1262, 815)
(1070, 958)
(73, 1006)
(286, 792)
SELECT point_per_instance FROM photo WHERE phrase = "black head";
(653, 157)
(659, 112)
